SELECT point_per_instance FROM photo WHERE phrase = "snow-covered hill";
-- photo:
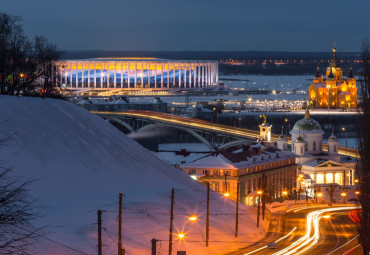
(80, 163)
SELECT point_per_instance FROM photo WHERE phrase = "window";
(301, 150)
(192, 171)
(305, 147)
(335, 148)
(314, 146)
(205, 172)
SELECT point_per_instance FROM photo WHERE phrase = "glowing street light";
(226, 194)
(357, 192)
(192, 218)
(344, 194)
(356, 181)
(259, 192)
(319, 194)
(285, 193)
(181, 235)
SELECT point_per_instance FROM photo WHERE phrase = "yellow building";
(334, 92)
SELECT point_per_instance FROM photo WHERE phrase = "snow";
(210, 162)
(80, 163)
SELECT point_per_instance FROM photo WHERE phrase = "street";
(329, 231)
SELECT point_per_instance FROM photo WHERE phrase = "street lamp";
(344, 194)
(181, 235)
(287, 122)
(192, 218)
(345, 130)
(259, 193)
(319, 194)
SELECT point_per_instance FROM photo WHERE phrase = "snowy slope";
(80, 163)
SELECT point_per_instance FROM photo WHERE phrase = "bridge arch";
(122, 123)
(191, 132)
(234, 143)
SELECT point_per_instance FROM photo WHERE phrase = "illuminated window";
(319, 178)
(329, 178)
(339, 178)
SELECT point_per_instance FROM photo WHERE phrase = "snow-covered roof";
(211, 161)
(254, 156)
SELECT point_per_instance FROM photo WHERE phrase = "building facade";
(334, 92)
(320, 168)
(249, 168)
(135, 73)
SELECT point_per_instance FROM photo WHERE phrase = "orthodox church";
(318, 167)
(334, 92)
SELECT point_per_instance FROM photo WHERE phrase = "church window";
(335, 148)
(301, 150)
(314, 146)
(306, 146)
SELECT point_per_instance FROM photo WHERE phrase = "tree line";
(26, 64)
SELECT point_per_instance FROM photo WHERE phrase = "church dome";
(299, 139)
(307, 124)
(332, 138)
(281, 137)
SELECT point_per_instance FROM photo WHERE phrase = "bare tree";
(364, 148)
(331, 191)
(17, 212)
(25, 65)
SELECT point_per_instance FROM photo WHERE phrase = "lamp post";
(319, 194)
(259, 193)
(287, 122)
(344, 194)
(345, 130)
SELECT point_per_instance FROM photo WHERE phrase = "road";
(206, 126)
(326, 236)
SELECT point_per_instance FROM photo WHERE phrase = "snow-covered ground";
(80, 163)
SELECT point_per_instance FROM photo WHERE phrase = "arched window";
(335, 148)
(301, 150)
(314, 146)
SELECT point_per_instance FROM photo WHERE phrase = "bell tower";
(265, 130)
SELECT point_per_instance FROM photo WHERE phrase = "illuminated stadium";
(135, 74)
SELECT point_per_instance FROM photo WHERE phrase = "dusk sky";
(233, 25)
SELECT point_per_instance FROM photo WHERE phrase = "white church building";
(319, 168)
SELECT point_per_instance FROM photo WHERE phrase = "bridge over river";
(215, 136)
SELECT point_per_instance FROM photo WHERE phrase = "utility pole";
(154, 246)
(171, 222)
(120, 225)
(100, 251)
(237, 210)
(207, 219)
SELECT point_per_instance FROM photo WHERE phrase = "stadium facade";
(136, 73)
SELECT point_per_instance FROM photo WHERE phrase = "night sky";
(221, 25)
